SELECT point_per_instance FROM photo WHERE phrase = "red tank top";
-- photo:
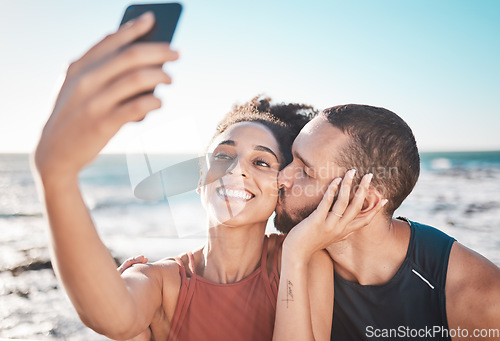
(244, 310)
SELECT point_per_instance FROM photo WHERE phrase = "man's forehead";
(319, 141)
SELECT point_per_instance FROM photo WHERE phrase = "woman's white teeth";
(234, 193)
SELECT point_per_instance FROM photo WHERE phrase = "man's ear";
(372, 200)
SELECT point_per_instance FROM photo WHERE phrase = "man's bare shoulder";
(472, 289)
(469, 267)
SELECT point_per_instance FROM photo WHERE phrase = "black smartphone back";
(166, 15)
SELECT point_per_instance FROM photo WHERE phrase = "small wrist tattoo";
(289, 292)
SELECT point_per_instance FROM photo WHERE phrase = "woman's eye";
(262, 163)
(222, 156)
(305, 173)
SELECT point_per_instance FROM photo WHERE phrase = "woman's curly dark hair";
(284, 120)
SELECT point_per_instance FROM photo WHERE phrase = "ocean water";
(458, 193)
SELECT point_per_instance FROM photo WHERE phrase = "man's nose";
(285, 177)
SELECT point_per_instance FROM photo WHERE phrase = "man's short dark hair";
(380, 143)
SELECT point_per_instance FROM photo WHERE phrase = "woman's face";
(240, 184)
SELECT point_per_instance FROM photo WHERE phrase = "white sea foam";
(441, 164)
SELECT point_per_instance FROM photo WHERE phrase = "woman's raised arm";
(109, 86)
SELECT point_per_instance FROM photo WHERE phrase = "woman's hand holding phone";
(107, 87)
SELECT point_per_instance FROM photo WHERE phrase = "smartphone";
(166, 18)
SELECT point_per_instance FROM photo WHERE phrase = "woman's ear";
(203, 170)
(200, 182)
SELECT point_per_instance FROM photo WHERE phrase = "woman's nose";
(238, 169)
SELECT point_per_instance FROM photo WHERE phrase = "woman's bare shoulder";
(168, 270)
(164, 271)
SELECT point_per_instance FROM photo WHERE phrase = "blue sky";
(435, 63)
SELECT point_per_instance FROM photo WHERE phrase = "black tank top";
(411, 306)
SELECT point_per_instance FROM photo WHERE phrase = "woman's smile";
(228, 193)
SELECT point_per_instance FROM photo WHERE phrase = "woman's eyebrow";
(257, 147)
(228, 142)
(265, 149)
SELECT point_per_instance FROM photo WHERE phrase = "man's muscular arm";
(472, 294)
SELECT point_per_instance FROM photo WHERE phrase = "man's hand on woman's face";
(110, 85)
(327, 225)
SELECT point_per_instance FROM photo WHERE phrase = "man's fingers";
(359, 198)
(140, 259)
(128, 33)
(131, 261)
(124, 266)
